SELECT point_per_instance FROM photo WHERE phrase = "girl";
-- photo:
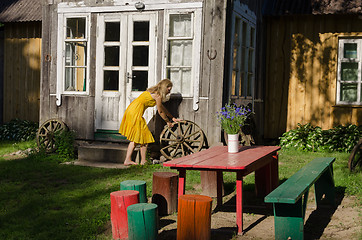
(134, 126)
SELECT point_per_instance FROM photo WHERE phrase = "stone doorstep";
(104, 154)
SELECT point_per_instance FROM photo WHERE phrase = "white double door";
(125, 64)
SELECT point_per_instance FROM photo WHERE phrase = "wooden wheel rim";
(182, 139)
(46, 132)
(356, 156)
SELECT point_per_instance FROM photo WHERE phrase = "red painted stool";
(164, 192)
(120, 200)
(194, 217)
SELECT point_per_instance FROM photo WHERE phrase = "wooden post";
(120, 200)
(194, 217)
(136, 185)
(209, 180)
(142, 221)
(164, 192)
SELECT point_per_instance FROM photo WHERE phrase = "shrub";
(18, 130)
(309, 138)
(64, 143)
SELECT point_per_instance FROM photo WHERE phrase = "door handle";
(129, 76)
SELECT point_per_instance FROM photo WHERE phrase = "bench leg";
(324, 188)
(289, 219)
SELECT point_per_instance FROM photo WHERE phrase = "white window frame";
(62, 21)
(341, 59)
(243, 13)
(196, 15)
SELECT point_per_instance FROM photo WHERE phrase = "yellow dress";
(133, 125)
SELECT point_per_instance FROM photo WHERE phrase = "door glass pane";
(350, 50)
(75, 79)
(349, 71)
(75, 53)
(139, 80)
(141, 31)
(140, 56)
(180, 25)
(111, 56)
(75, 28)
(349, 92)
(111, 80)
(112, 32)
(180, 53)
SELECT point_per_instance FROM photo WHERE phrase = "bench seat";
(290, 198)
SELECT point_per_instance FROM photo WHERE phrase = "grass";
(43, 199)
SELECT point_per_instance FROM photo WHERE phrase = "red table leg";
(239, 202)
(181, 181)
(219, 183)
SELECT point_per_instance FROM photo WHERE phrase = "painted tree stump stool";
(164, 192)
(120, 200)
(136, 185)
(142, 221)
(194, 217)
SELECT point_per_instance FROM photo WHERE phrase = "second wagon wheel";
(355, 158)
(45, 136)
(182, 139)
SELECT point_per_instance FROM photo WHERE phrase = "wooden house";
(20, 53)
(313, 58)
(99, 55)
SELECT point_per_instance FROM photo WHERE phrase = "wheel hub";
(179, 138)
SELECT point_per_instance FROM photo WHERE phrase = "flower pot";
(233, 143)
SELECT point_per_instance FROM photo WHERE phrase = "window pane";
(111, 56)
(349, 71)
(181, 79)
(112, 32)
(348, 92)
(249, 83)
(252, 30)
(75, 79)
(180, 25)
(75, 53)
(141, 31)
(233, 83)
(180, 53)
(111, 80)
(75, 28)
(350, 50)
(140, 56)
(139, 80)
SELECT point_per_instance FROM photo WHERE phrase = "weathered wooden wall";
(301, 68)
(22, 52)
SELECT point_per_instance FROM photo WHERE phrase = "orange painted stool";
(194, 217)
(120, 200)
(164, 192)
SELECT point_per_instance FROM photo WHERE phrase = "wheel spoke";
(187, 129)
(192, 140)
(192, 134)
(175, 151)
(168, 139)
(189, 147)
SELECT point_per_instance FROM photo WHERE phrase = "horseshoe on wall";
(209, 55)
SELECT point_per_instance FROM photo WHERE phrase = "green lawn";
(43, 199)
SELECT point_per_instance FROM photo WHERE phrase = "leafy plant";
(309, 138)
(18, 130)
(232, 118)
(64, 143)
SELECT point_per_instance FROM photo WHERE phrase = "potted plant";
(231, 119)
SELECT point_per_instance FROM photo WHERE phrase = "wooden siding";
(301, 72)
(22, 53)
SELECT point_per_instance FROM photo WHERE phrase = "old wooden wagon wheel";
(355, 158)
(182, 139)
(45, 136)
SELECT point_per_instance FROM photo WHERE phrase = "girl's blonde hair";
(161, 88)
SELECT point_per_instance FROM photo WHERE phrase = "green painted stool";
(142, 221)
(137, 185)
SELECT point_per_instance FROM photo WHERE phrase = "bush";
(309, 138)
(64, 143)
(18, 130)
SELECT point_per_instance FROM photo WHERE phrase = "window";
(349, 72)
(182, 50)
(72, 65)
(243, 58)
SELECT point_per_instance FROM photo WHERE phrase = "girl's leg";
(128, 160)
(143, 150)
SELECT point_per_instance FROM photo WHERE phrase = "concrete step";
(104, 152)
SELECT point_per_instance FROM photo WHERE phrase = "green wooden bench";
(290, 198)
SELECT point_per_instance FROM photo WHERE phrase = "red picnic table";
(263, 160)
